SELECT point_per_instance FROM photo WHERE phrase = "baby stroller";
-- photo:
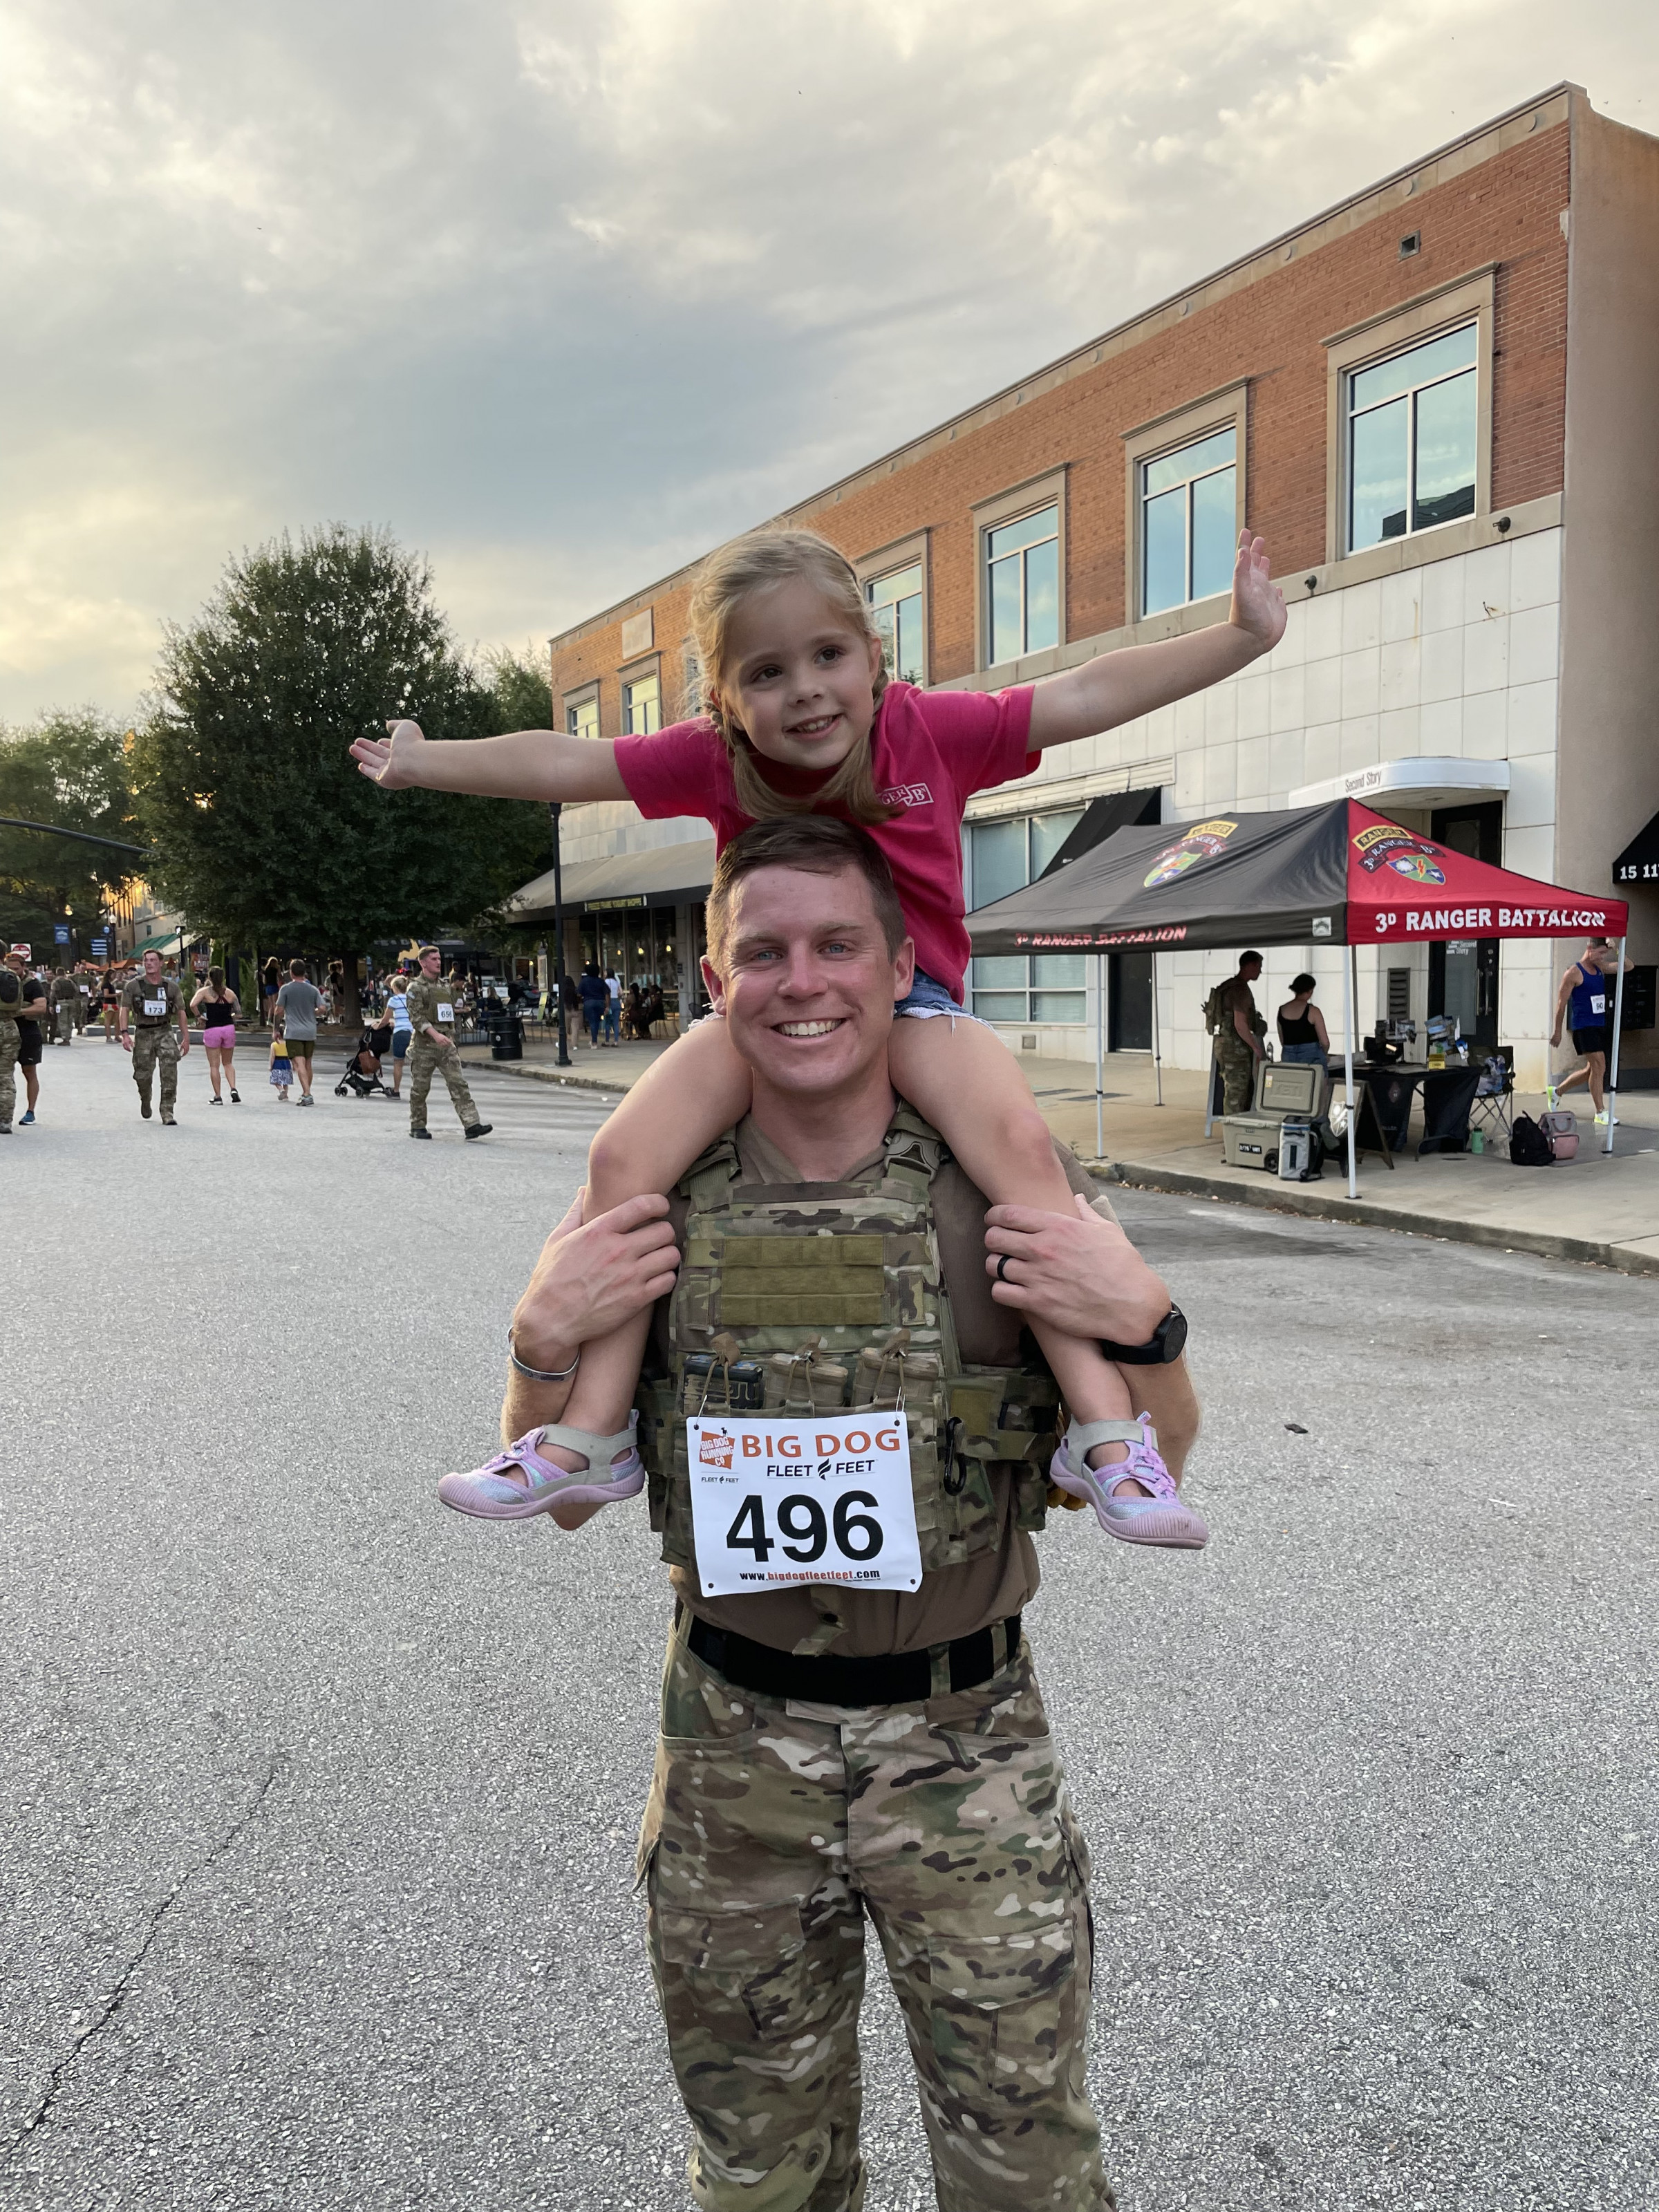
(362, 1070)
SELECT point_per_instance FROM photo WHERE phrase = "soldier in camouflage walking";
(829, 1751)
(432, 1046)
(152, 1003)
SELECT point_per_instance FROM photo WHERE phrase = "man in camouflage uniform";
(432, 1019)
(901, 1766)
(152, 1003)
(1238, 1040)
(11, 1000)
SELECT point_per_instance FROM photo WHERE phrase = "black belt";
(899, 1678)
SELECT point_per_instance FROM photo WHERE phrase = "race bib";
(824, 1498)
(155, 1005)
(1598, 1002)
(446, 1010)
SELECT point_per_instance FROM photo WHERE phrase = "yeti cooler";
(1247, 1139)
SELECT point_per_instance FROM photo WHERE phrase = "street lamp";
(562, 1059)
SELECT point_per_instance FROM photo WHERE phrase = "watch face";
(1173, 1333)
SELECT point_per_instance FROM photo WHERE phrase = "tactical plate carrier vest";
(820, 1273)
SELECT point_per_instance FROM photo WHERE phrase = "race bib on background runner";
(155, 1005)
(816, 1498)
(446, 1010)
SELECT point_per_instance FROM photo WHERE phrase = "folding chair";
(1491, 1110)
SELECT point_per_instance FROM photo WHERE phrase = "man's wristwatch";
(1167, 1342)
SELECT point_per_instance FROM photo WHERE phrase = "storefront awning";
(167, 941)
(1426, 782)
(666, 875)
(1639, 861)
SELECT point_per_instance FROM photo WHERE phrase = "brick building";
(1438, 403)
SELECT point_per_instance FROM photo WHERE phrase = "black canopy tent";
(1337, 874)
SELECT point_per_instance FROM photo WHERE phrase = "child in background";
(803, 718)
(282, 1067)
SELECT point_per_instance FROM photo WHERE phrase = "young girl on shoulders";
(802, 718)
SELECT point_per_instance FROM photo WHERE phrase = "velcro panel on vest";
(800, 1282)
(977, 1403)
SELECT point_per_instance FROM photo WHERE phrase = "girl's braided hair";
(752, 563)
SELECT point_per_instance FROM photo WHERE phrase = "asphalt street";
(318, 1806)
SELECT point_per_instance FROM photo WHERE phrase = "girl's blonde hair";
(752, 563)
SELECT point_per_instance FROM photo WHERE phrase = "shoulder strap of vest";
(708, 1178)
(913, 1151)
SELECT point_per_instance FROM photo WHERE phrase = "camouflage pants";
(153, 1048)
(773, 1828)
(8, 1069)
(1237, 1065)
(425, 1057)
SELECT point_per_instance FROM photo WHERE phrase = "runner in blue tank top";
(1586, 993)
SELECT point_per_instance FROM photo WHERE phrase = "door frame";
(1488, 817)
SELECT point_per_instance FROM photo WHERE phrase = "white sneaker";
(1602, 1122)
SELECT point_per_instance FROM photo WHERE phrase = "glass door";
(1464, 972)
(1129, 1002)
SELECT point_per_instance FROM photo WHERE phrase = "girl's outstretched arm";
(525, 764)
(1116, 687)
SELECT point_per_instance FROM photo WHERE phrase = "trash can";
(508, 1042)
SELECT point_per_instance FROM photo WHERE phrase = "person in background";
(595, 998)
(11, 1001)
(152, 1002)
(1302, 1032)
(269, 983)
(1238, 1047)
(65, 1005)
(298, 1002)
(612, 1009)
(216, 1009)
(108, 993)
(431, 1018)
(571, 998)
(1584, 992)
(82, 999)
(281, 1064)
(397, 1008)
(31, 1040)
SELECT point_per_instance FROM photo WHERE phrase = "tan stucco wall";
(1609, 746)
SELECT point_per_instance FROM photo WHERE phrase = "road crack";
(124, 1981)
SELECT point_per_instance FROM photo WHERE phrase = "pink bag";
(1561, 1127)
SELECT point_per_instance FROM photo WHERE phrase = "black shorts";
(30, 1044)
(1588, 1041)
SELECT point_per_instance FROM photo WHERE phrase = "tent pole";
(1350, 993)
(1157, 1055)
(1100, 1055)
(1611, 1091)
(1209, 1093)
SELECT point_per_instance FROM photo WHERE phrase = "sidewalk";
(1602, 1209)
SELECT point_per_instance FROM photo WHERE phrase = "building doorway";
(1464, 972)
(1129, 1002)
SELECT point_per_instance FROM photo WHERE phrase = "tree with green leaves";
(70, 769)
(263, 829)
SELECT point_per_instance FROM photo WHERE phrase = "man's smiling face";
(800, 677)
(810, 984)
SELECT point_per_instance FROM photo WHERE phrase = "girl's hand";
(393, 761)
(1258, 606)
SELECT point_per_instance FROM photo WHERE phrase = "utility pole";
(562, 1059)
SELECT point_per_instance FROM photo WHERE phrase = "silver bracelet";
(540, 1374)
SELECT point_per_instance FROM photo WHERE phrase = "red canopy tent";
(1337, 874)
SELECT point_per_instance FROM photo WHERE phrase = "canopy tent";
(1336, 874)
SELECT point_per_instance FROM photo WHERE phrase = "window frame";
(635, 671)
(582, 695)
(1363, 345)
(1031, 991)
(911, 552)
(989, 515)
(1227, 408)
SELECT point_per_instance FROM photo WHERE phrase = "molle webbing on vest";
(827, 1275)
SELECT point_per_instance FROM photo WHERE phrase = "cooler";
(1282, 1088)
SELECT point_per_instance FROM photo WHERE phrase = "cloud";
(563, 293)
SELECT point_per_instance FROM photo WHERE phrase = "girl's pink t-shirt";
(930, 751)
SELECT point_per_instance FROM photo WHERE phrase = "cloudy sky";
(563, 293)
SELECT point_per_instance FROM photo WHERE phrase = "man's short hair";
(816, 843)
(1245, 959)
(425, 949)
(296, 967)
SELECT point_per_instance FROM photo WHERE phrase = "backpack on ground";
(1529, 1146)
(1561, 1129)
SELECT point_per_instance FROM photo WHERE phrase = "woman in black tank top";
(1302, 1032)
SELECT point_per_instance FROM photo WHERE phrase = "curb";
(565, 1080)
(1289, 1198)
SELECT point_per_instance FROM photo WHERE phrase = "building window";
(581, 717)
(895, 603)
(1003, 857)
(642, 706)
(1022, 583)
(1412, 438)
(1188, 501)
